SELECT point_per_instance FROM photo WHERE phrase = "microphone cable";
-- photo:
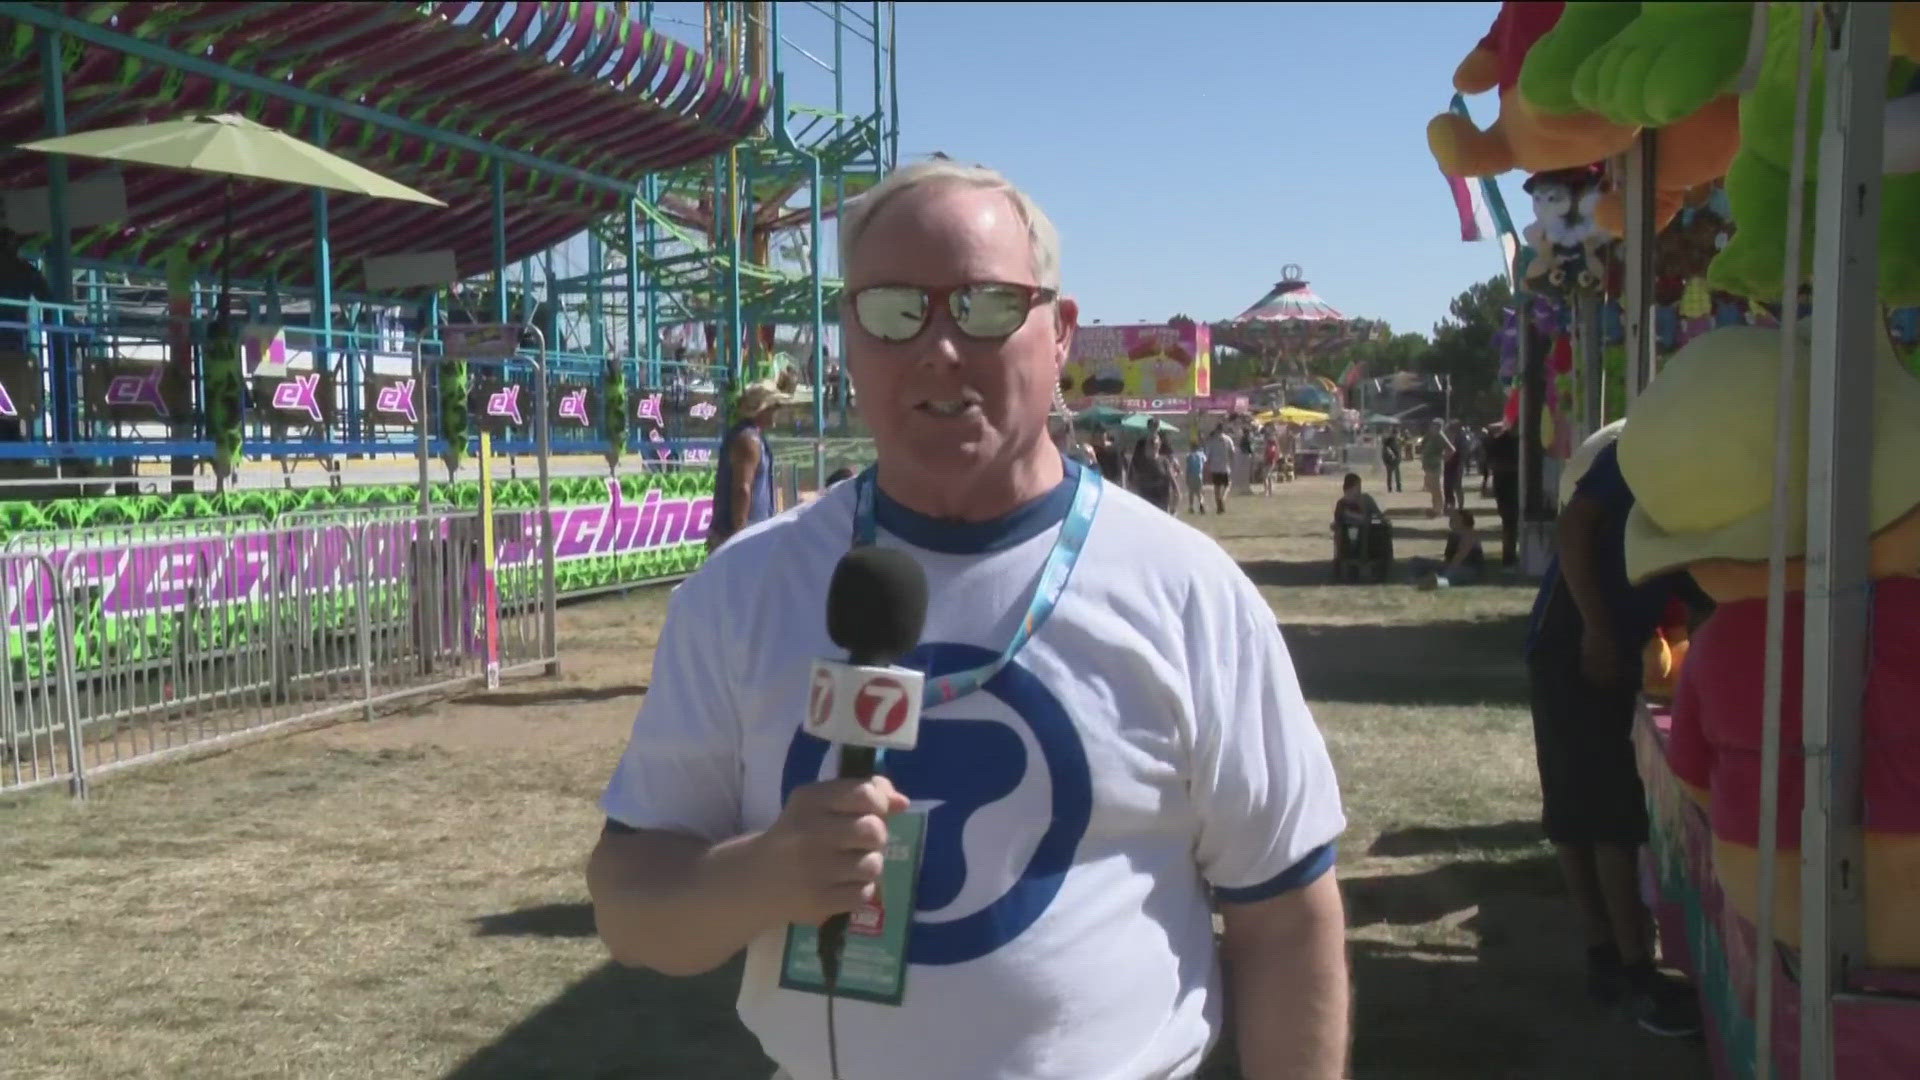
(833, 938)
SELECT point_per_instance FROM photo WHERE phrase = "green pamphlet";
(873, 965)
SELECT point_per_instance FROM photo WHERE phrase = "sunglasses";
(985, 310)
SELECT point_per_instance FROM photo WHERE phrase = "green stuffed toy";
(1665, 64)
(1669, 68)
(1752, 262)
(1547, 76)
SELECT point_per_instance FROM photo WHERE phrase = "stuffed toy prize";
(1671, 67)
(1699, 455)
(1752, 262)
(1521, 137)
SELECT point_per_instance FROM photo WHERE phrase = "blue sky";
(1188, 152)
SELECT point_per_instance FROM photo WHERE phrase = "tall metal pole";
(1636, 303)
(499, 241)
(840, 169)
(322, 318)
(59, 249)
(1846, 328)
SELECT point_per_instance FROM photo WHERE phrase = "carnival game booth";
(1776, 460)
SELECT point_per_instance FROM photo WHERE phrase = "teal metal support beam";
(322, 319)
(49, 19)
(633, 279)
(651, 188)
(59, 249)
(893, 84)
(596, 324)
(500, 241)
(737, 209)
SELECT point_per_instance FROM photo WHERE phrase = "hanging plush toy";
(1565, 243)
(1699, 455)
(1667, 66)
(1757, 181)
(1520, 137)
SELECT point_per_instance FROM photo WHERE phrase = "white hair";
(940, 169)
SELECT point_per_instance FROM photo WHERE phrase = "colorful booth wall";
(1143, 368)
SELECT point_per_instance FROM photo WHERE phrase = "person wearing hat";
(1585, 639)
(743, 485)
(1699, 453)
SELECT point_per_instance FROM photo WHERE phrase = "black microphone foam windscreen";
(876, 604)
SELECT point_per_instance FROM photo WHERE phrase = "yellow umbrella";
(1291, 415)
(232, 146)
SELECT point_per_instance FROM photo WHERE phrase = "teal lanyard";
(1046, 594)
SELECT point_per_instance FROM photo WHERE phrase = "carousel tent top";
(1291, 301)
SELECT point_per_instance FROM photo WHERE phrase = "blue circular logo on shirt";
(962, 766)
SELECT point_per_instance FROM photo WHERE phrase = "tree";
(1464, 351)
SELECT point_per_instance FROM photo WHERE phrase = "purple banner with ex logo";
(168, 576)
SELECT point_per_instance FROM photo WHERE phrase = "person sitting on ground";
(1355, 507)
(1465, 561)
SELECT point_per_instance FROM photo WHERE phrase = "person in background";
(1452, 466)
(1220, 465)
(1434, 449)
(1585, 637)
(1503, 476)
(743, 489)
(1150, 479)
(1196, 479)
(1464, 562)
(1270, 450)
(1390, 459)
(20, 280)
(1106, 454)
(1355, 506)
(1170, 467)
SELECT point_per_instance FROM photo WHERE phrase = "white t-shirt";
(1151, 735)
(1220, 453)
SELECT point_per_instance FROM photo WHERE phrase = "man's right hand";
(824, 854)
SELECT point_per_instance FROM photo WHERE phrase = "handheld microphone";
(876, 607)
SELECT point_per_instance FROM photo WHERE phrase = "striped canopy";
(1291, 301)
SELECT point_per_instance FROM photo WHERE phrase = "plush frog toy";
(1699, 457)
(1668, 67)
(1752, 262)
(1521, 137)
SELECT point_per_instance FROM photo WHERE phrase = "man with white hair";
(1135, 754)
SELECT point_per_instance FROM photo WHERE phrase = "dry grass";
(404, 899)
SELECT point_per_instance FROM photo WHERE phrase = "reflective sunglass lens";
(891, 313)
(990, 310)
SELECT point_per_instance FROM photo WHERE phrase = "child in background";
(1196, 479)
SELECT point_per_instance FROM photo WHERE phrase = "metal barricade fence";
(197, 641)
(39, 735)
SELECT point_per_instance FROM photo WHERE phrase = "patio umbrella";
(234, 147)
(1099, 416)
(1138, 422)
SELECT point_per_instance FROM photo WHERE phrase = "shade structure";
(1291, 415)
(233, 146)
(1139, 421)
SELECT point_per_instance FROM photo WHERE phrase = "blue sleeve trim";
(1308, 870)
